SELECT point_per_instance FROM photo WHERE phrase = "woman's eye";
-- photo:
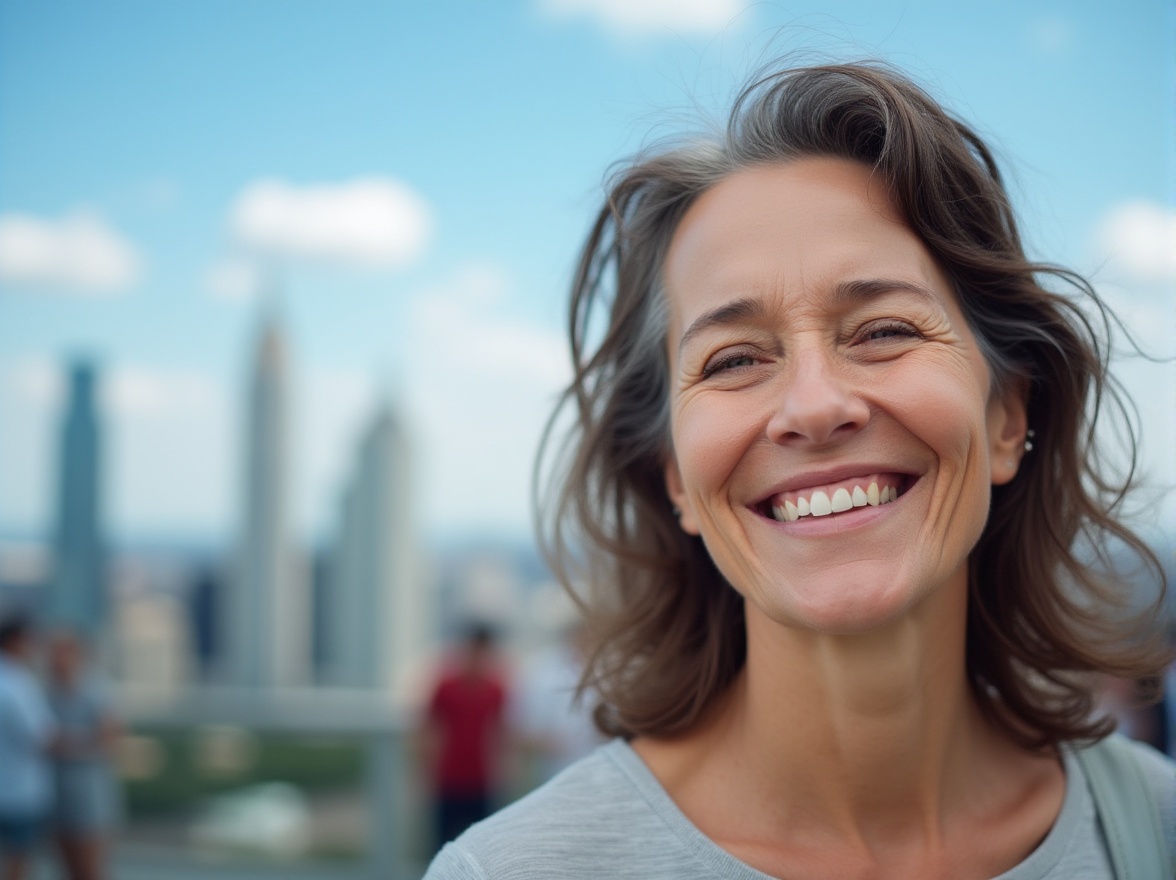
(882, 332)
(730, 362)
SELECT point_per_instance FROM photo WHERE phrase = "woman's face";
(834, 435)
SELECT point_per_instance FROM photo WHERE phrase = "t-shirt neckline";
(1076, 804)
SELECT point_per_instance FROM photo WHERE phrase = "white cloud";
(1139, 238)
(1147, 317)
(79, 252)
(141, 392)
(123, 390)
(35, 382)
(1148, 314)
(233, 280)
(634, 17)
(482, 383)
(371, 222)
(478, 337)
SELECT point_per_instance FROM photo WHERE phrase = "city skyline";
(266, 610)
(419, 221)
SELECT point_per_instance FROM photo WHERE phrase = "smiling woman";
(850, 370)
(832, 461)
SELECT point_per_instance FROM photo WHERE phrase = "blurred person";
(549, 721)
(1169, 680)
(832, 461)
(86, 807)
(1133, 705)
(463, 734)
(26, 735)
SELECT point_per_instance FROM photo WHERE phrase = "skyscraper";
(266, 638)
(378, 610)
(77, 594)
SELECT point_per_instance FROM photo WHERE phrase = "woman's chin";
(842, 610)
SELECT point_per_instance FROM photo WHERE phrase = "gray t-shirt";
(608, 816)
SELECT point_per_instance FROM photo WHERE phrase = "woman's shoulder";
(1134, 788)
(1157, 770)
(603, 816)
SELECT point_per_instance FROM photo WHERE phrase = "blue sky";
(158, 135)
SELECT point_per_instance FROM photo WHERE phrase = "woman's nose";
(816, 403)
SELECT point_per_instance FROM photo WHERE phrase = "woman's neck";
(858, 727)
(867, 739)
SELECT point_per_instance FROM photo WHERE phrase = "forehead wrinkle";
(845, 294)
(734, 312)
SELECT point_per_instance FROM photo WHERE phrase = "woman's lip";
(816, 479)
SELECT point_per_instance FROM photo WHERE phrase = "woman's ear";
(682, 508)
(1008, 432)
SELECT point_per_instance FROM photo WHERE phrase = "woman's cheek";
(710, 441)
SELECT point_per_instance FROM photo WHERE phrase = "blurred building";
(77, 588)
(320, 595)
(152, 641)
(25, 569)
(154, 647)
(205, 597)
(376, 608)
(265, 623)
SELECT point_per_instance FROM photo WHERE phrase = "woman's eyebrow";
(844, 293)
(734, 312)
(851, 292)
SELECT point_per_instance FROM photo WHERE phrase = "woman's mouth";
(868, 491)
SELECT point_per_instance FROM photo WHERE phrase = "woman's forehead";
(789, 229)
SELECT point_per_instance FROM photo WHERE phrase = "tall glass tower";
(377, 617)
(266, 627)
(77, 594)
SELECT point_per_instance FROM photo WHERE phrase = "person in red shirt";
(463, 736)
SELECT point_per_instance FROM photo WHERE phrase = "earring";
(1029, 435)
(677, 510)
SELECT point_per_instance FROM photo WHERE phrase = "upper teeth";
(818, 502)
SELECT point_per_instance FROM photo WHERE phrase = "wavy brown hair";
(1044, 611)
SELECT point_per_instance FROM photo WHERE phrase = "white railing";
(393, 850)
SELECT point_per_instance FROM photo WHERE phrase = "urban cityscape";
(231, 660)
(268, 637)
(283, 315)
